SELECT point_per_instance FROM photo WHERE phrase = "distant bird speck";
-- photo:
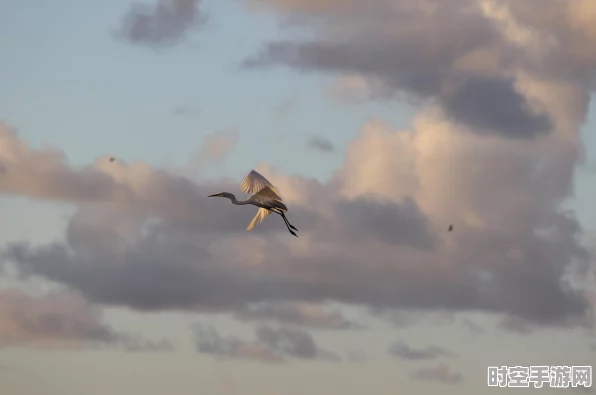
(112, 159)
(450, 228)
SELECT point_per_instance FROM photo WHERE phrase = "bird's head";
(222, 194)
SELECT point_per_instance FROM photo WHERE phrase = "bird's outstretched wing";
(261, 215)
(269, 193)
(254, 182)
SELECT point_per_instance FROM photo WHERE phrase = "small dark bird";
(112, 159)
(450, 228)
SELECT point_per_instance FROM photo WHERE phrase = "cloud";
(440, 373)
(61, 319)
(313, 316)
(272, 345)
(403, 351)
(293, 342)
(373, 235)
(216, 146)
(472, 59)
(164, 24)
(357, 89)
(185, 109)
(509, 112)
(320, 144)
(284, 107)
(209, 341)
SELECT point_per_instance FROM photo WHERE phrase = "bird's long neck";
(238, 202)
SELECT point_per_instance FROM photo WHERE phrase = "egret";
(264, 195)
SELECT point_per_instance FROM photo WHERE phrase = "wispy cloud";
(216, 146)
(320, 143)
(313, 316)
(185, 109)
(271, 345)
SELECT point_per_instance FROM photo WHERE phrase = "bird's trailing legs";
(288, 224)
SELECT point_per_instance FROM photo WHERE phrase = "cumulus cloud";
(163, 24)
(61, 319)
(440, 373)
(403, 351)
(271, 345)
(147, 239)
(319, 143)
(313, 316)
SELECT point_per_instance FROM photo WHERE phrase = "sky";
(381, 123)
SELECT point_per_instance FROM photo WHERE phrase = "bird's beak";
(217, 194)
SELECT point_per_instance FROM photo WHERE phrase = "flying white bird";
(264, 195)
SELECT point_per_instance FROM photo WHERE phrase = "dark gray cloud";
(312, 316)
(403, 351)
(456, 56)
(164, 24)
(493, 105)
(441, 373)
(271, 345)
(319, 143)
(293, 342)
(395, 224)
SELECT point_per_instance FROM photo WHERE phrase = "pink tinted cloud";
(61, 319)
